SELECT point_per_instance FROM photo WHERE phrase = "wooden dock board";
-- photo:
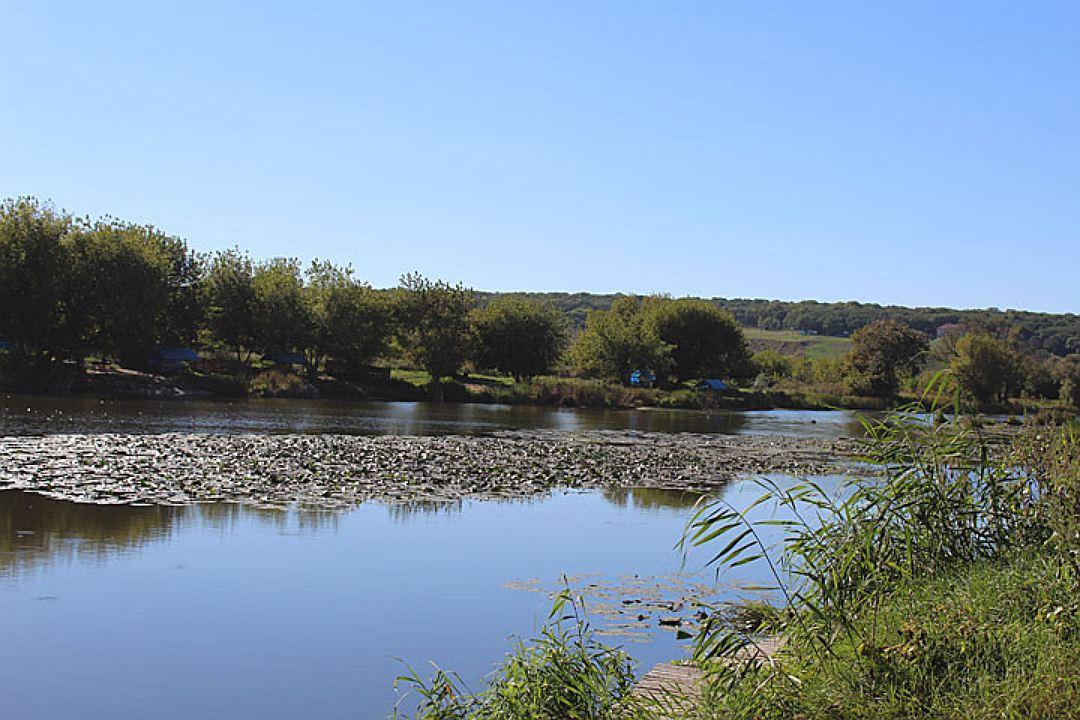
(682, 683)
(671, 680)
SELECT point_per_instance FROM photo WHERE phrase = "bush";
(563, 673)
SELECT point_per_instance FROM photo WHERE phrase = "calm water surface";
(223, 611)
(30, 414)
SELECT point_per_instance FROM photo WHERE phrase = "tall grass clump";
(565, 672)
(943, 585)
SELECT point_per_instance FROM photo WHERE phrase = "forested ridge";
(1053, 333)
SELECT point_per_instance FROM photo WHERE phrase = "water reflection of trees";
(412, 509)
(643, 498)
(36, 530)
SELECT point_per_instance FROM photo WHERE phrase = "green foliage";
(131, 287)
(1057, 334)
(67, 287)
(282, 323)
(348, 320)
(232, 306)
(879, 352)
(618, 341)
(995, 639)
(986, 368)
(705, 340)
(772, 365)
(33, 268)
(564, 673)
(432, 324)
(1040, 379)
(522, 338)
(946, 587)
(1068, 370)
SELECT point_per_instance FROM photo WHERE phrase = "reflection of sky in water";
(219, 610)
(226, 611)
(37, 414)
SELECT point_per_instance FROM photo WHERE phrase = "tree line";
(1047, 333)
(75, 287)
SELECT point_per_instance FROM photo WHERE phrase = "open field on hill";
(790, 342)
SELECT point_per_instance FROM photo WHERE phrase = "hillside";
(1047, 333)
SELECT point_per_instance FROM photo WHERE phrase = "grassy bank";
(236, 380)
(945, 587)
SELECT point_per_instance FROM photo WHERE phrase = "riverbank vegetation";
(79, 294)
(944, 587)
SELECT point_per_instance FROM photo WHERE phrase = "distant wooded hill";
(1057, 334)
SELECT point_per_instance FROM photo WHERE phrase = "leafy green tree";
(231, 301)
(705, 340)
(879, 352)
(349, 320)
(520, 337)
(185, 308)
(282, 320)
(126, 283)
(772, 365)
(1039, 378)
(1068, 370)
(617, 341)
(986, 368)
(32, 271)
(432, 324)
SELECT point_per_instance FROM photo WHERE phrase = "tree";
(124, 280)
(616, 342)
(185, 309)
(986, 368)
(32, 270)
(282, 321)
(1039, 378)
(772, 365)
(705, 340)
(1068, 370)
(522, 338)
(349, 320)
(879, 352)
(432, 319)
(231, 302)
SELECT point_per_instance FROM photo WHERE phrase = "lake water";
(31, 414)
(225, 611)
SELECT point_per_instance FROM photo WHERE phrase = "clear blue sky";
(912, 153)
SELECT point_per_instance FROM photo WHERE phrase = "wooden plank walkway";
(671, 680)
(682, 683)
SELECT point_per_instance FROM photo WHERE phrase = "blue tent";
(711, 384)
(173, 355)
(171, 359)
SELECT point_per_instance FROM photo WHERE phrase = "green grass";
(945, 587)
(789, 342)
(994, 639)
